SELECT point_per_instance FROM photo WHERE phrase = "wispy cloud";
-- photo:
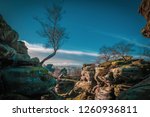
(130, 40)
(41, 48)
(63, 57)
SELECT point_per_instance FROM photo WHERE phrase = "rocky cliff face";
(21, 77)
(110, 80)
(145, 11)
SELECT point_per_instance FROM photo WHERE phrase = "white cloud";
(41, 48)
(63, 57)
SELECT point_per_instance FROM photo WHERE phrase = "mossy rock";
(106, 64)
(118, 63)
(27, 81)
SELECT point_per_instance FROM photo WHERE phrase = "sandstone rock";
(137, 92)
(19, 74)
(126, 73)
(100, 72)
(87, 73)
(21, 57)
(64, 86)
(82, 85)
(119, 88)
(7, 34)
(27, 81)
(146, 30)
(104, 93)
(6, 51)
(81, 91)
(35, 61)
(145, 11)
(20, 47)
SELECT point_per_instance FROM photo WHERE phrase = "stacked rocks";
(83, 88)
(19, 74)
(88, 71)
(104, 89)
(11, 49)
(138, 92)
(110, 79)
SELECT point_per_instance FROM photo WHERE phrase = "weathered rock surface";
(28, 81)
(7, 34)
(83, 88)
(110, 79)
(137, 92)
(11, 49)
(145, 11)
(21, 77)
(20, 47)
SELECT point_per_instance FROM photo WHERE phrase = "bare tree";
(105, 53)
(52, 30)
(122, 50)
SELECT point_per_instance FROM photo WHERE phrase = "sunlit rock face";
(109, 80)
(145, 11)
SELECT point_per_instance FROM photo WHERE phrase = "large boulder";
(127, 73)
(21, 57)
(27, 81)
(137, 92)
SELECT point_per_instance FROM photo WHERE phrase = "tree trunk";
(48, 57)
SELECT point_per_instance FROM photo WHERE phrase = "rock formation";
(83, 88)
(145, 11)
(20, 75)
(137, 92)
(109, 80)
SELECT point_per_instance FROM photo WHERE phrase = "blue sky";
(89, 23)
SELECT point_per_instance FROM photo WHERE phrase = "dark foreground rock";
(137, 92)
(28, 81)
(21, 77)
